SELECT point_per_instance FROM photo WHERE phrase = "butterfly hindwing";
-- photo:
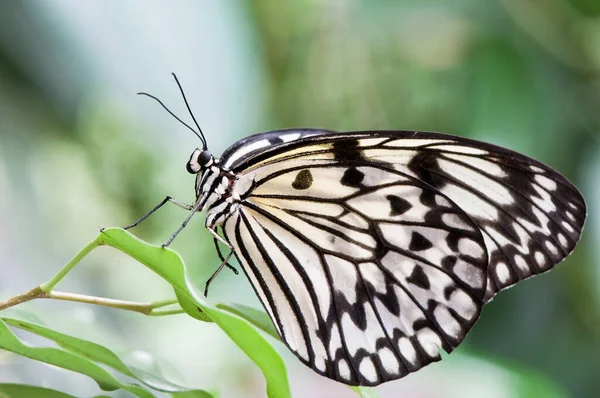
(363, 279)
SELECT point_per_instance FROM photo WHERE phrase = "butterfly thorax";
(215, 193)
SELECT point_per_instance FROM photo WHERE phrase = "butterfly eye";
(198, 160)
(204, 158)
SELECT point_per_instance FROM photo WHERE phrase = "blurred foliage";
(75, 156)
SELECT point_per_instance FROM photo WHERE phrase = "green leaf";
(95, 353)
(256, 317)
(191, 308)
(66, 360)
(169, 265)
(92, 351)
(21, 390)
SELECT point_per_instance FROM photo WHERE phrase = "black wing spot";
(449, 262)
(418, 242)
(426, 168)
(352, 177)
(421, 323)
(275, 141)
(419, 278)
(398, 205)
(347, 150)
(304, 180)
(448, 290)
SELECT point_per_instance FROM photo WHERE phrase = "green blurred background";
(79, 151)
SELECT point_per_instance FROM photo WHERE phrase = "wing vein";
(283, 286)
(518, 193)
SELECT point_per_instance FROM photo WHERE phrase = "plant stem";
(143, 308)
(163, 303)
(34, 293)
(173, 311)
(51, 284)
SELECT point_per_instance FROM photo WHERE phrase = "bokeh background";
(79, 151)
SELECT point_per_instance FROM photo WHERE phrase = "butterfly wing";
(371, 249)
(363, 280)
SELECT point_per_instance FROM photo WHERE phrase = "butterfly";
(373, 250)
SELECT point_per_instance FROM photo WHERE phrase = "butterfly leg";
(213, 276)
(235, 271)
(218, 237)
(193, 210)
(158, 206)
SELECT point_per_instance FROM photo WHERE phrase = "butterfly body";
(372, 250)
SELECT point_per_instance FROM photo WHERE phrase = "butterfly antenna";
(189, 109)
(175, 116)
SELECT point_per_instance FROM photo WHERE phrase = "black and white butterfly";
(371, 250)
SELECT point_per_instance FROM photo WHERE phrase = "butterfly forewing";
(239, 154)
(371, 250)
(530, 215)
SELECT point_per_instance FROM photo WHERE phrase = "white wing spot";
(430, 342)
(335, 342)
(289, 137)
(320, 363)
(563, 240)
(570, 215)
(546, 182)
(367, 369)
(470, 247)
(389, 361)
(540, 258)
(536, 169)
(550, 246)
(567, 226)
(502, 272)
(407, 349)
(521, 263)
(463, 304)
(441, 201)
(469, 273)
(446, 321)
(343, 369)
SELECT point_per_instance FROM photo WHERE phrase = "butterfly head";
(199, 161)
